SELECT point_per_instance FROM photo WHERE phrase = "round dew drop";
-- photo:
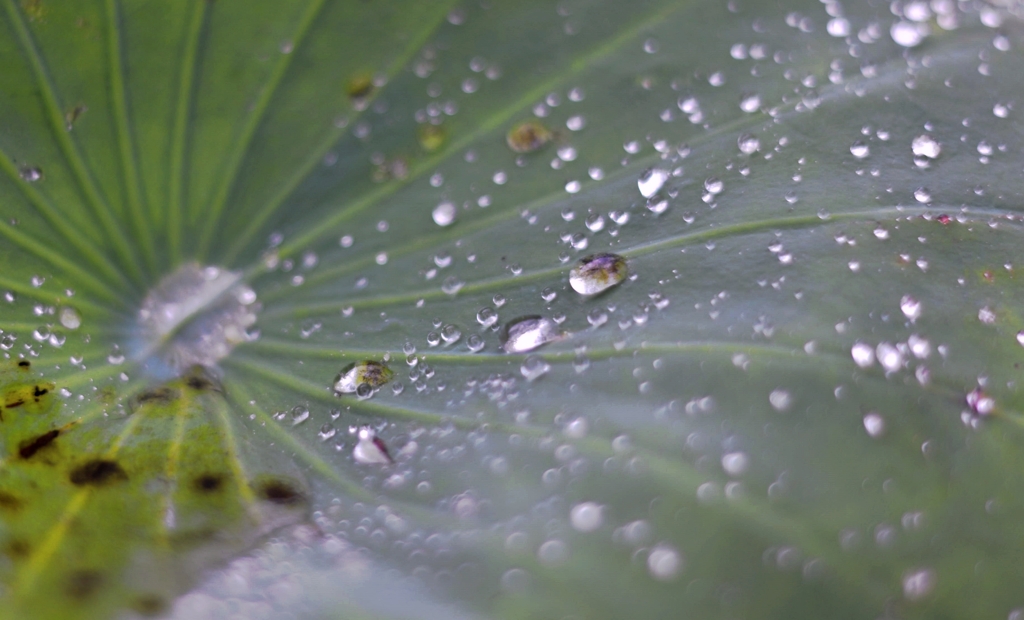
(597, 273)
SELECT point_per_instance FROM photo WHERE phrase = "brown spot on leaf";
(156, 396)
(150, 605)
(201, 380)
(208, 483)
(280, 492)
(9, 502)
(28, 448)
(97, 472)
(25, 364)
(82, 584)
(18, 549)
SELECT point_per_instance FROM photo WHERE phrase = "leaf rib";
(216, 205)
(302, 173)
(499, 118)
(100, 207)
(126, 142)
(90, 252)
(180, 131)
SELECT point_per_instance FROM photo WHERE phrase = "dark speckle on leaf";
(208, 483)
(25, 364)
(150, 605)
(279, 492)
(9, 502)
(97, 472)
(82, 584)
(28, 448)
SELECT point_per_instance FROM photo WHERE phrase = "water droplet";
(749, 144)
(889, 357)
(534, 368)
(908, 34)
(750, 103)
(838, 27)
(576, 123)
(598, 272)
(918, 584)
(1001, 110)
(70, 318)
(527, 333)
(528, 136)
(922, 195)
(370, 449)
(863, 355)
(657, 206)
(987, 315)
(475, 343)
(586, 517)
(369, 373)
(713, 186)
(444, 214)
(597, 317)
(566, 153)
(486, 317)
(450, 334)
(735, 463)
(553, 553)
(664, 562)
(911, 308)
(31, 174)
(874, 424)
(980, 402)
(452, 285)
(651, 181)
(595, 222)
(860, 149)
(780, 400)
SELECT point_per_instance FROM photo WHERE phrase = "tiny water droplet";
(534, 368)
(860, 149)
(370, 449)
(31, 174)
(527, 333)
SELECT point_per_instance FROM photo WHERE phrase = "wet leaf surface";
(799, 400)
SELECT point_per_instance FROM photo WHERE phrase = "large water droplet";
(528, 332)
(598, 272)
(368, 372)
(651, 181)
(925, 146)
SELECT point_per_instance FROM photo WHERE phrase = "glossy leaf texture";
(799, 401)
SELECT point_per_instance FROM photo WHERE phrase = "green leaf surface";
(801, 402)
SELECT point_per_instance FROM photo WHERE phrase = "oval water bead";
(528, 136)
(597, 273)
(526, 333)
(366, 373)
